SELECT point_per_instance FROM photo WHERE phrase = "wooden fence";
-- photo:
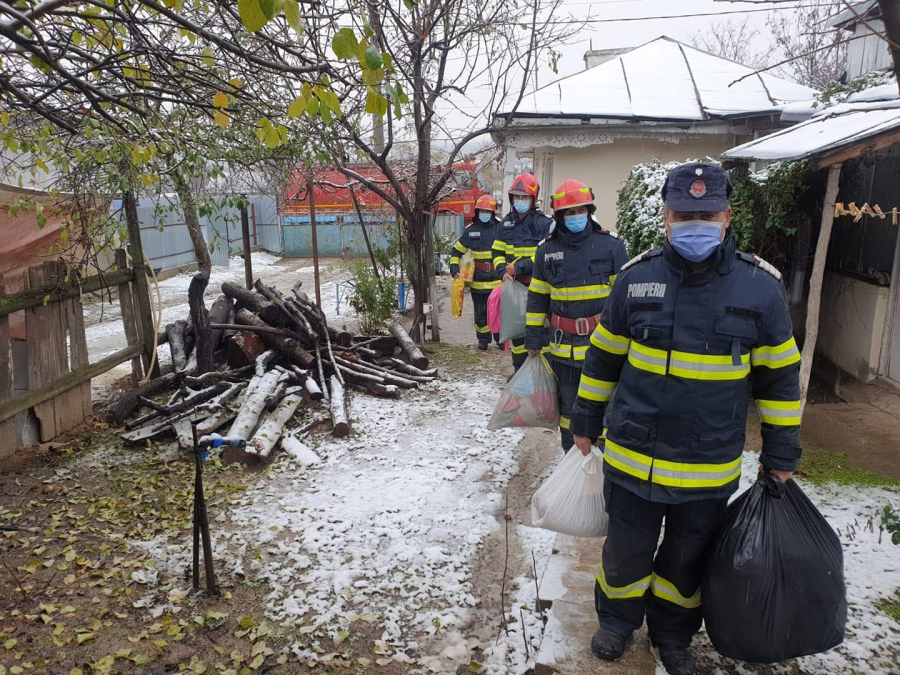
(59, 371)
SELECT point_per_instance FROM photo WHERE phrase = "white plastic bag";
(571, 500)
(530, 399)
(512, 310)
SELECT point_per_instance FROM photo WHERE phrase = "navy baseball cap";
(697, 188)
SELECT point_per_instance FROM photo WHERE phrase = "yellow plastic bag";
(467, 267)
(457, 294)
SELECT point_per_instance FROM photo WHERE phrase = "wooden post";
(245, 233)
(315, 242)
(126, 302)
(141, 285)
(815, 281)
(7, 387)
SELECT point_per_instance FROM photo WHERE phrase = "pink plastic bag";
(494, 309)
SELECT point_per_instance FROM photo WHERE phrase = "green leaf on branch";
(292, 14)
(344, 44)
(253, 16)
(388, 62)
(326, 115)
(312, 106)
(374, 60)
(297, 107)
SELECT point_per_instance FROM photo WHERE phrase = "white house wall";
(867, 53)
(605, 166)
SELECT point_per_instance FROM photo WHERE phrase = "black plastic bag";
(774, 588)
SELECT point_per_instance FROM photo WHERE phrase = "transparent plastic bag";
(512, 310)
(467, 267)
(530, 399)
(571, 500)
(457, 295)
(494, 300)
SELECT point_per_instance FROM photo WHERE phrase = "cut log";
(207, 379)
(338, 409)
(385, 344)
(219, 313)
(125, 404)
(359, 376)
(312, 387)
(369, 354)
(215, 421)
(175, 338)
(184, 435)
(263, 361)
(254, 403)
(404, 367)
(413, 354)
(380, 390)
(286, 346)
(274, 399)
(255, 303)
(389, 377)
(340, 337)
(271, 431)
(192, 401)
(244, 348)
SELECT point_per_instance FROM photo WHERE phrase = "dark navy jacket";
(517, 241)
(478, 238)
(683, 351)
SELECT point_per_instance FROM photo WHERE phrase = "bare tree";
(733, 39)
(817, 54)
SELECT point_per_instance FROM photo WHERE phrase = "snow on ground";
(871, 572)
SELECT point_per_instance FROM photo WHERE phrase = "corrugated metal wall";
(865, 54)
(336, 235)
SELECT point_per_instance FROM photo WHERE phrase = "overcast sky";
(609, 30)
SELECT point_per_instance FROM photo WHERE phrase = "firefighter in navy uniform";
(688, 333)
(478, 238)
(519, 235)
(574, 270)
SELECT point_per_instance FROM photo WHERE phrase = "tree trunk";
(199, 314)
(220, 313)
(412, 351)
(815, 282)
(254, 404)
(890, 14)
(288, 347)
(127, 402)
(271, 431)
(338, 409)
(256, 303)
(175, 340)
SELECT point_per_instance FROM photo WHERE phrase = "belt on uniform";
(484, 267)
(581, 326)
(524, 279)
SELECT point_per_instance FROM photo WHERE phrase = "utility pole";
(245, 233)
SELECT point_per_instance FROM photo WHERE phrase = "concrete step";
(566, 647)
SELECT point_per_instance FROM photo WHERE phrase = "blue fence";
(337, 236)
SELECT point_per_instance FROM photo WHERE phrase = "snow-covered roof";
(864, 115)
(850, 16)
(663, 80)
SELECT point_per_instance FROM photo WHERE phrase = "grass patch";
(821, 467)
(441, 354)
(890, 606)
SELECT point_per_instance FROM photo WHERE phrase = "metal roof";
(662, 80)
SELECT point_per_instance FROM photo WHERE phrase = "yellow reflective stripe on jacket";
(482, 255)
(482, 329)
(779, 413)
(612, 279)
(499, 250)
(564, 351)
(780, 356)
(535, 318)
(459, 247)
(671, 474)
(564, 422)
(518, 349)
(665, 589)
(595, 390)
(610, 342)
(454, 260)
(708, 367)
(521, 251)
(628, 461)
(575, 293)
(539, 286)
(687, 475)
(632, 590)
(647, 358)
(485, 285)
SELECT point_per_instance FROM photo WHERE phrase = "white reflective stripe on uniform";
(690, 475)
(647, 358)
(635, 589)
(610, 342)
(627, 461)
(535, 318)
(539, 286)
(574, 293)
(482, 255)
(708, 367)
(665, 589)
(564, 351)
(595, 390)
(485, 285)
(779, 356)
(779, 413)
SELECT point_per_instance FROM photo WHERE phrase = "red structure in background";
(333, 196)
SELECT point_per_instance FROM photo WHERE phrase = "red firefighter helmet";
(486, 203)
(527, 185)
(570, 194)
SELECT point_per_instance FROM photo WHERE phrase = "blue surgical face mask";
(696, 240)
(522, 204)
(576, 223)
(484, 217)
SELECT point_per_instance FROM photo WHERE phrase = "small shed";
(664, 99)
(856, 145)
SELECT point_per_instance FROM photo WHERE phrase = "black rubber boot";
(609, 645)
(676, 660)
(483, 346)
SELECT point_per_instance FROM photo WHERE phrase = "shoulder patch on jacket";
(756, 261)
(646, 255)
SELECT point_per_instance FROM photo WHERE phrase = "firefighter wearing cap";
(573, 273)
(478, 238)
(519, 235)
(688, 334)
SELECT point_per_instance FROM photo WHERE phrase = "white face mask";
(696, 240)
(522, 204)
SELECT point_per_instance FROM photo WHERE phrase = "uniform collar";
(724, 255)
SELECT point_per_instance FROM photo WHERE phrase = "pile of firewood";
(275, 354)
